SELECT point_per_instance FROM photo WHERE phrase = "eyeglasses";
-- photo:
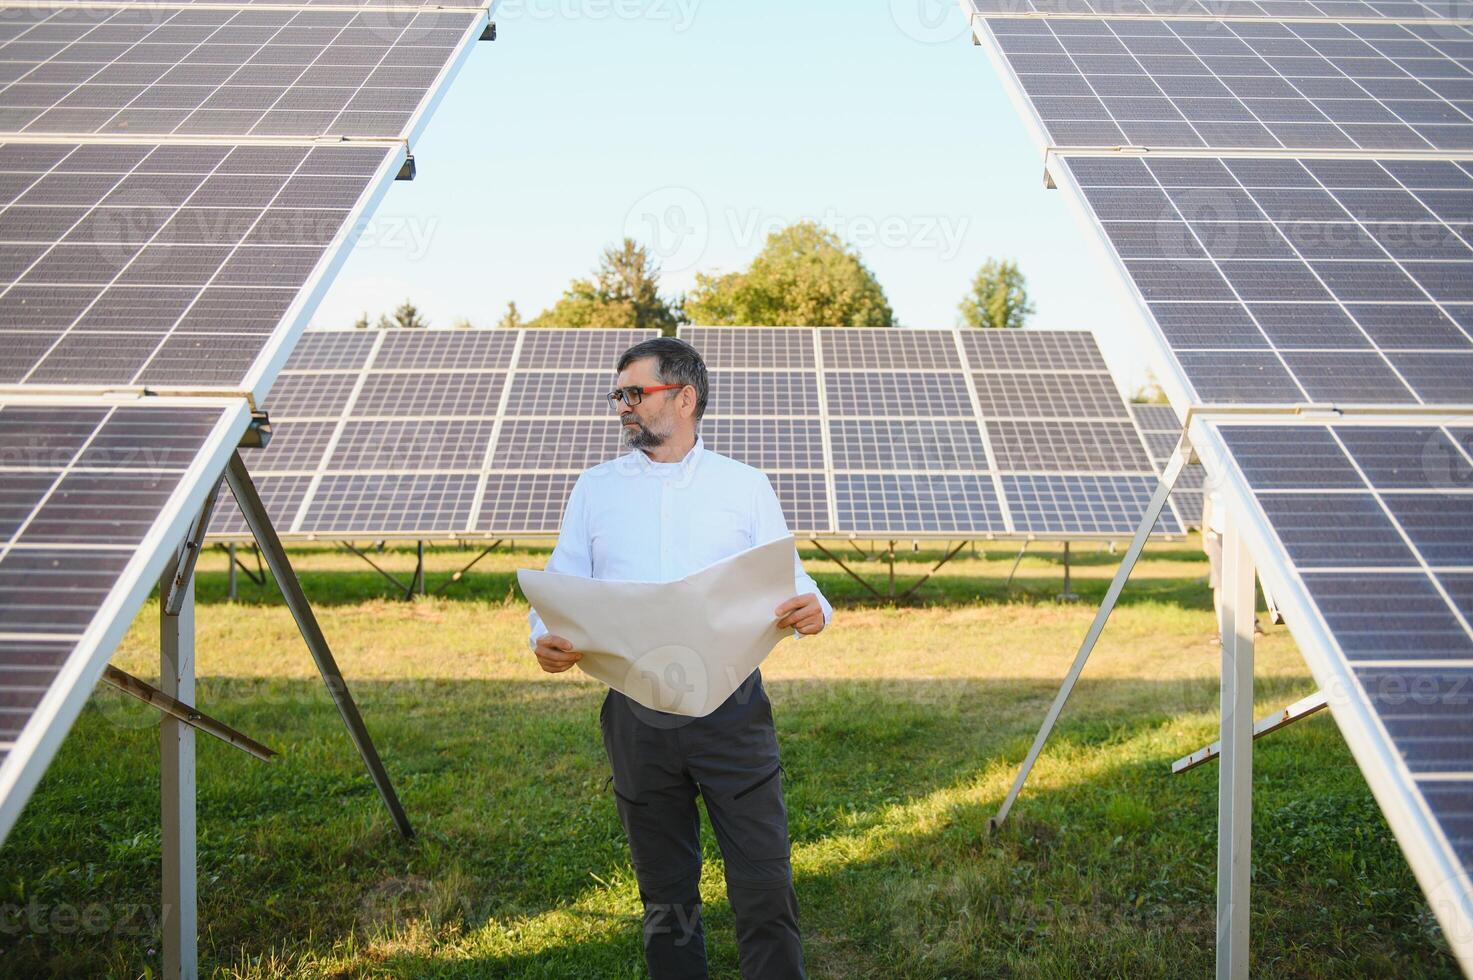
(632, 395)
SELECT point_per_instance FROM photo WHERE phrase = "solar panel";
(1238, 85)
(496, 406)
(1379, 547)
(1298, 289)
(752, 347)
(140, 265)
(1159, 425)
(1309, 258)
(909, 407)
(418, 433)
(147, 70)
(1415, 11)
(95, 497)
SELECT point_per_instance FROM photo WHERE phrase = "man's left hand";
(802, 613)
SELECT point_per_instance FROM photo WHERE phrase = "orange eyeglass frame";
(622, 394)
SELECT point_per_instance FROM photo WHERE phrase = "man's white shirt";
(635, 520)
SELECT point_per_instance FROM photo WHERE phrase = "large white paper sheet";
(681, 646)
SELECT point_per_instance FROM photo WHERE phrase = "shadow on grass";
(520, 867)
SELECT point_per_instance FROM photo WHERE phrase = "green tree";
(406, 315)
(805, 276)
(511, 319)
(999, 297)
(624, 292)
(363, 322)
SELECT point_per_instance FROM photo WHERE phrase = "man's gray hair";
(678, 364)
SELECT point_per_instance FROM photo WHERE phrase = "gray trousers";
(660, 763)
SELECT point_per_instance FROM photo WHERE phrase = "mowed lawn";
(901, 729)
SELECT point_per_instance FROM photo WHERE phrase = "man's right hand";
(555, 654)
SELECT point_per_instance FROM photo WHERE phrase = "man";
(657, 514)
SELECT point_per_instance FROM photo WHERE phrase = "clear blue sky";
(715, 121)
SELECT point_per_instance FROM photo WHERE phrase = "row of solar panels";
(416, 433)
(1296, 243)
(177, 187)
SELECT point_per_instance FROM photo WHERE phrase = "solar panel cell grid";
(883, 503)
(1040, 395)
(409, 503)
(221, 72)
(872, 393)
(411, 445)
(1065, 446)
(924, 445)
(1189, 84)
(524, 502)
(446, 393)
(152, 264)
(762, 393)
(1357, 330)
(1412, 10)
(1053, 504)
(596, 350)
(895, 350)
(767, 444)
(753, 347)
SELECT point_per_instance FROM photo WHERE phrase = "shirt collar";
(681, 469)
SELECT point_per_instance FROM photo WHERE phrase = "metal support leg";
(1137, 544)
(1068, 595)
(934, 569)
(1016, 562)
(291, 590)
(177, 781)
(230, 576)
(408, 590)
(891, 590)
(1235, 775)
(419, 568)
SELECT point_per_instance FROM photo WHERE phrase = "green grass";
(901, 729)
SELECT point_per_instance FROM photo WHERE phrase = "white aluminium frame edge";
(273, 357)
(450, 69)
(64, 699)
(1436, 867)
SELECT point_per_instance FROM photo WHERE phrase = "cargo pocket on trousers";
(755, 818)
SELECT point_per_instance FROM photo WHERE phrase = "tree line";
(805, 275)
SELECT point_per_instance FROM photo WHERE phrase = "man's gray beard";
(642, 437)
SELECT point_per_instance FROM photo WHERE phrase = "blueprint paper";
(681, 646)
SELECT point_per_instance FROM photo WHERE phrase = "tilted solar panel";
(1164, 83)
(1414, 11)
(434, 433)
(165, 265)
(1297, 280)
(1158, 423)
(1377, 524)
(93, 500)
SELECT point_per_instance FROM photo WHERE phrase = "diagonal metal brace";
(191, 716)
(1143, 530)
(291, 590)
(1283, 718)
(194, 543)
